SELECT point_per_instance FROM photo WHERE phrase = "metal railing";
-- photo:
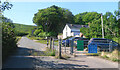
(71, 46)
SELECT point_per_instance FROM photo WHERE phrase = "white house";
(72, 30)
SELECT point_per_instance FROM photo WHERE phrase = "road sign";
(80, 45)
(92, 48)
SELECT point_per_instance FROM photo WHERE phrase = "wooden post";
(71, 47)
(110, 46)
(47, 42)
(52, 44)
(65, 46)
(59, 52)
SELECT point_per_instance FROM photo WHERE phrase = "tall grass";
(114, 56)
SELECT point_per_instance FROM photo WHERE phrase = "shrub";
(37, 31)
(19, 33)
(105, 56)
(52, 34)
(43, 34)
(115, 60)
(8, 39)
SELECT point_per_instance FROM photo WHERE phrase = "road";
(23, 59)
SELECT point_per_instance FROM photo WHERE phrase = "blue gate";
(92, 48)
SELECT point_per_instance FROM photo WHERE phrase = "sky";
(23, 12)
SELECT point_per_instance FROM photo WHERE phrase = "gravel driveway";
(22, 59)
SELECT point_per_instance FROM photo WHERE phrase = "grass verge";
(47, 52)
(63, 56)
(113, 56)
(40, 40)
(92, 54)
(18, 38)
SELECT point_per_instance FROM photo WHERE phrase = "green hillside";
(23, 28)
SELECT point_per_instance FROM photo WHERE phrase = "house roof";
(76, 26)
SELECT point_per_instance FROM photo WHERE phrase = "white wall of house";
(66, 32)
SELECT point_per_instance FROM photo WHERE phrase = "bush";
(115, 60)
(37, 31)
(43, 34)
(52, 34)
(19, 33)
(8, 39)
(105, 56)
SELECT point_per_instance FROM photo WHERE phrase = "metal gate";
(80, 45)
(92, 48)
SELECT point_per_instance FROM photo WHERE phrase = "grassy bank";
(112, 56)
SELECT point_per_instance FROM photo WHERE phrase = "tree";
(5, 5)
(86, 17)
(53, 18)
(79, 18)
(110, 25)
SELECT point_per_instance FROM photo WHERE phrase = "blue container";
(92, 48)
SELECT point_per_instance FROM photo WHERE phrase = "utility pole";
(102, 26)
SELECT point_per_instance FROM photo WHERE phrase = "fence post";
(47, 42)
(71, 47)
(65, 46)
(110, 46)
(52, 44)
(59, 52)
